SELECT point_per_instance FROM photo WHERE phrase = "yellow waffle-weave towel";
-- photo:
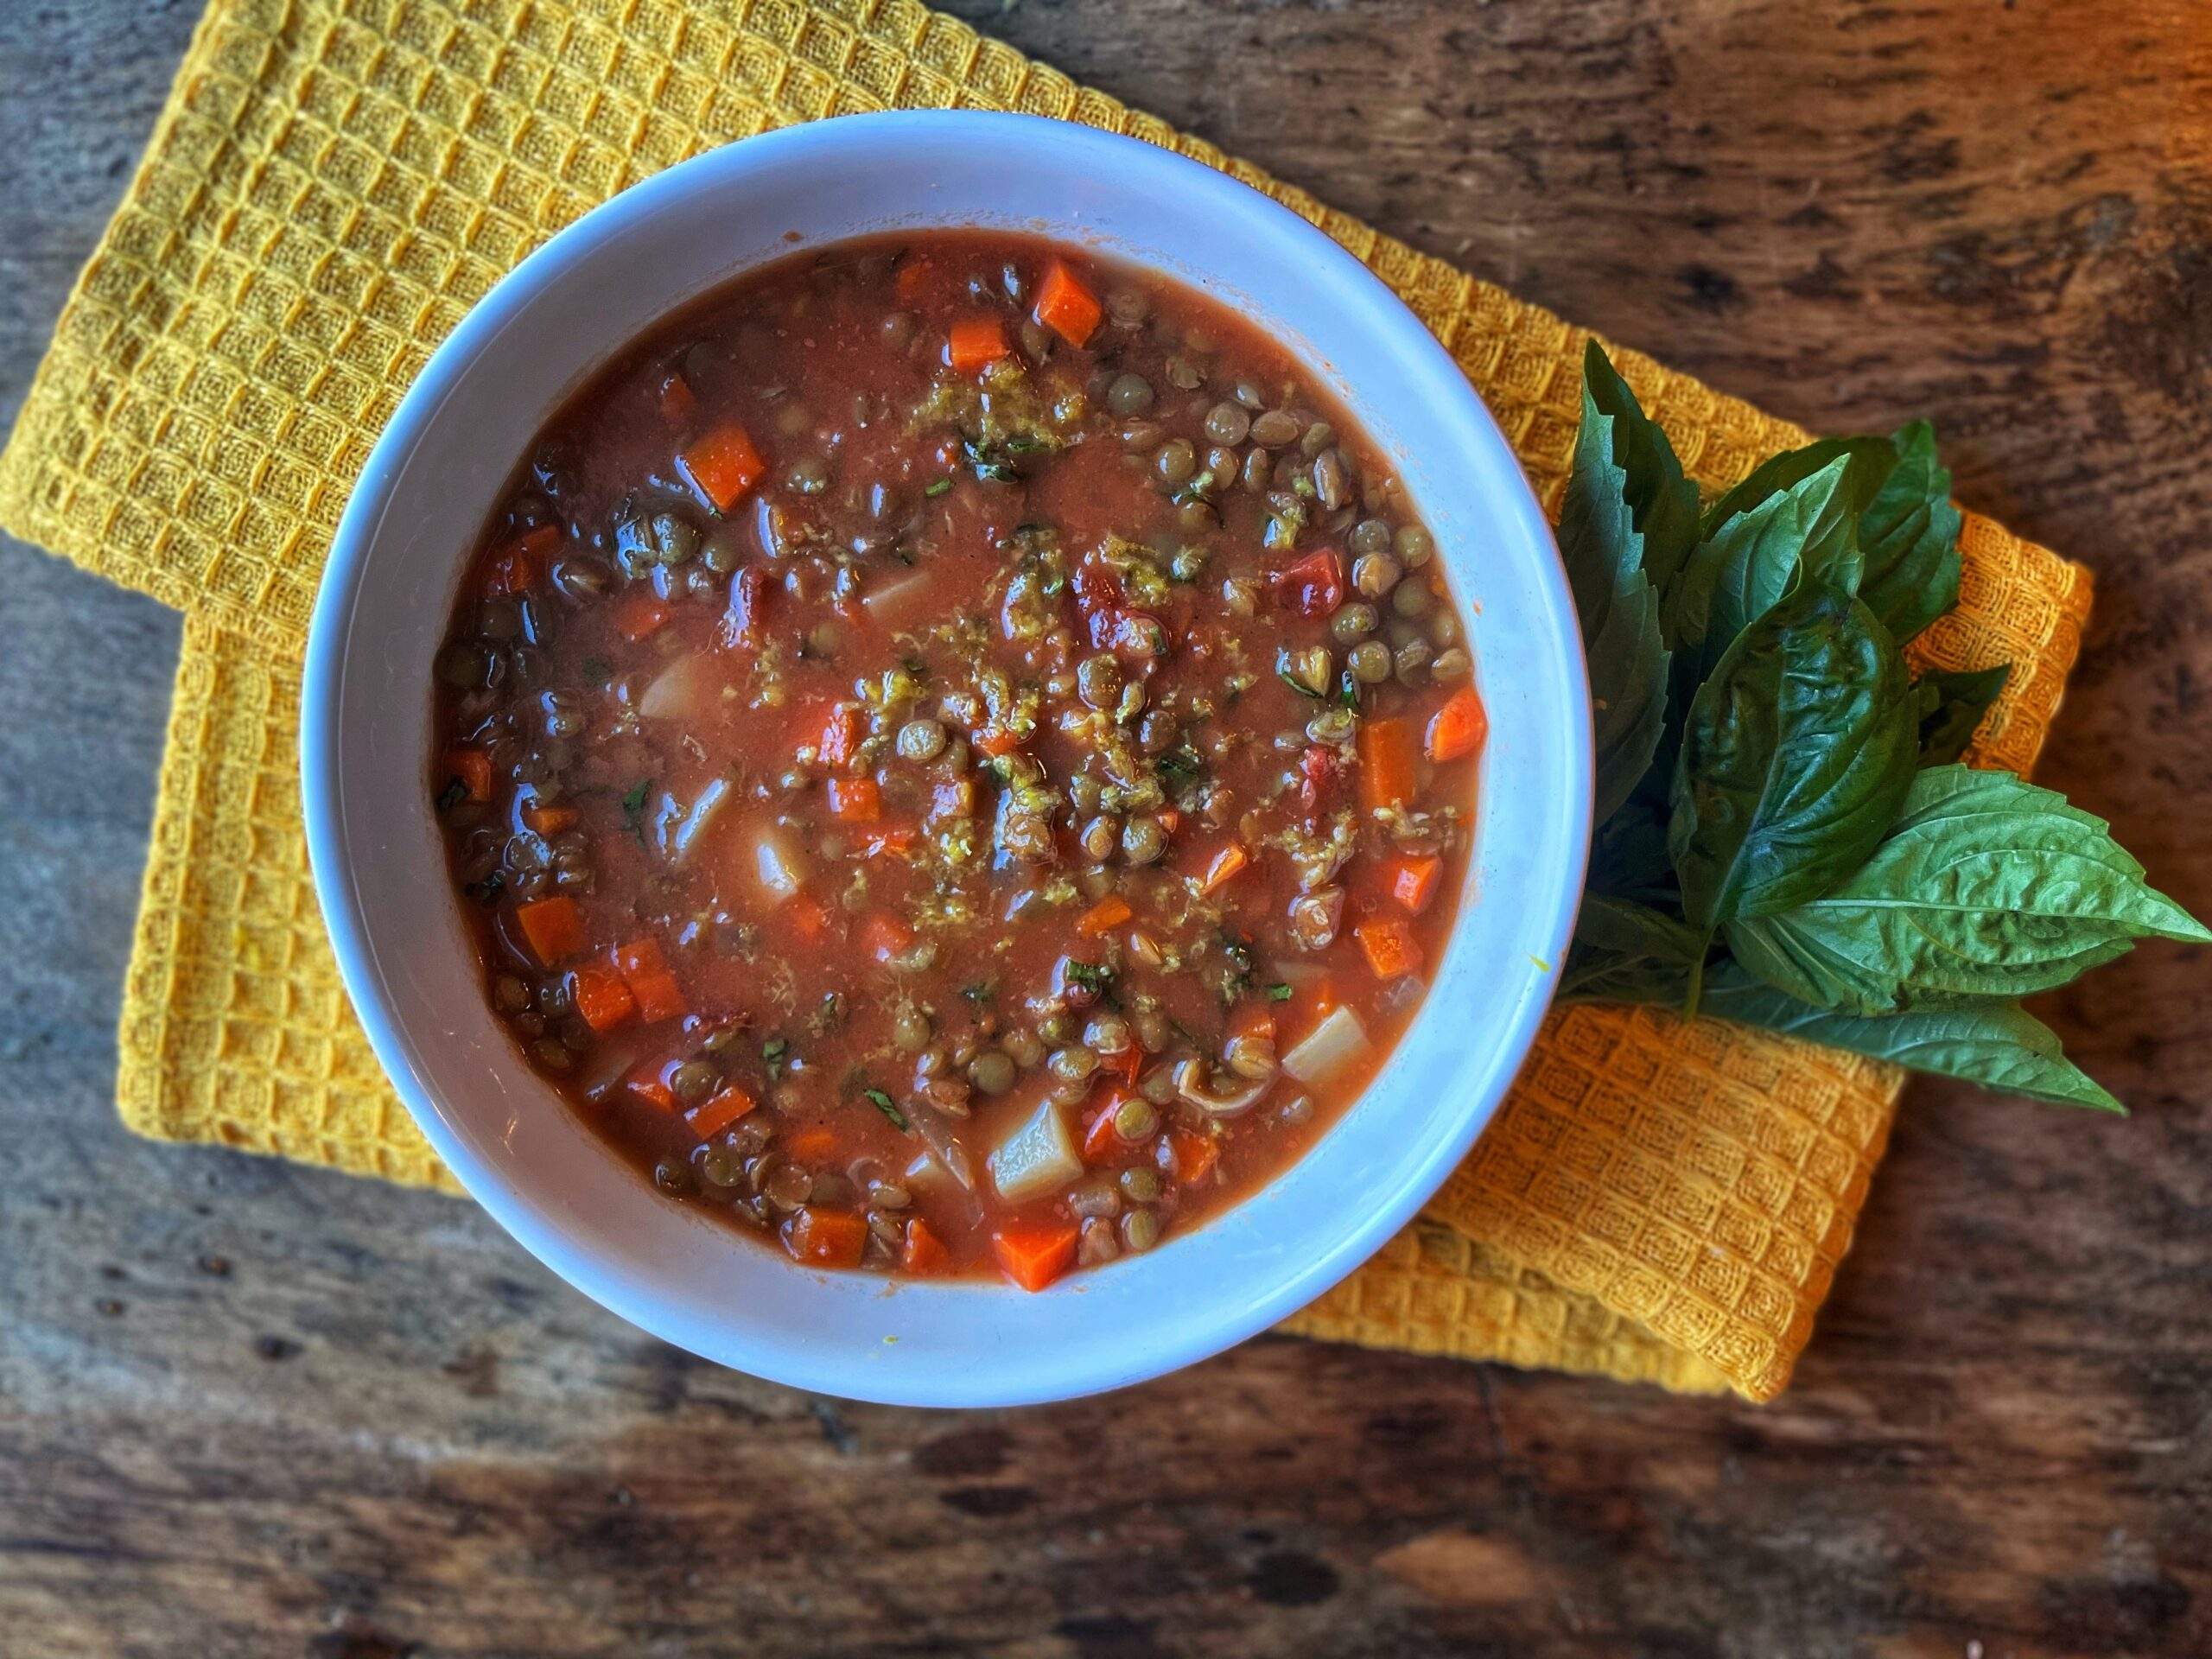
(334, 182)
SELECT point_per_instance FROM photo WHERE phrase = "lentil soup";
(957, 758)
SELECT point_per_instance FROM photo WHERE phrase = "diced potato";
(1039, 1158)
(892, 604)
(778, 864)
(709, 806)
(680, 692)
(1329, 1050)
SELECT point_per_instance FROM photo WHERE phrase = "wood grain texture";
(247, 1409)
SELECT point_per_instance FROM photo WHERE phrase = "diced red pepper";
(1313, 586)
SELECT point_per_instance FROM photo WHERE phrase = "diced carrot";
(807, 916)
(841, 735)
(724, 465)
(1195, 1154)
(659, 997)
(923, 1250)
(1066, 305)
(639, 956)
(997, 742)
(825, 1238)
(884, 936)
(1170, 819)
(912, 278)
(1413, 883)
(974, 343)
(1106, 915)
(1325, 998)
(856, 800)
(1223, 865)
(1387, 757)
(812, 1144)
(1034, 1253)
(514, 568)
(1129, 1061)
(716, 1113)
(549, 820)
(1459, 726)
(649, 1083)
(640, 617)
(473, 768)
(600, 996)
(1390, 949)
(679, 405)
(554, 928)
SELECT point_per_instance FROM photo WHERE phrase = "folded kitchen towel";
(334, 182)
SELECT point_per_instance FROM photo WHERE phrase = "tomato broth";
(958, 756)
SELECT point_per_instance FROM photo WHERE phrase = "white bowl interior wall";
(380, 868)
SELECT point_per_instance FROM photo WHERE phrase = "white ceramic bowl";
(380, 870)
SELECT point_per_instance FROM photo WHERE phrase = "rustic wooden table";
(250, 1408)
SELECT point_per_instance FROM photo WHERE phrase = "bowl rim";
(321, 706)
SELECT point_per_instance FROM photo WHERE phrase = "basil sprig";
(1784, 836)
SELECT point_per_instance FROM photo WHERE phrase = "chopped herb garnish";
(773, 1049)
(633, 807)
(982, 991)
(1278, 993)
(1348, 690)
(985, 466)
(938, 487)
(1180, 763)
(452, 795)
(486, 893)
(887, 1106)
(902, 555)
(1297, 685)
(915, 666)
(1091, 977)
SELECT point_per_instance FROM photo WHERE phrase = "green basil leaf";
(1987, 887)
(1604, 554)
(1870, 461)
(1995, 1045)
(1952, 704)
(1628, 691)
(1628, 855)
(1743, 569)
(1909, 535)
(1795, 758)
(1627, 952)
(1661, 502)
